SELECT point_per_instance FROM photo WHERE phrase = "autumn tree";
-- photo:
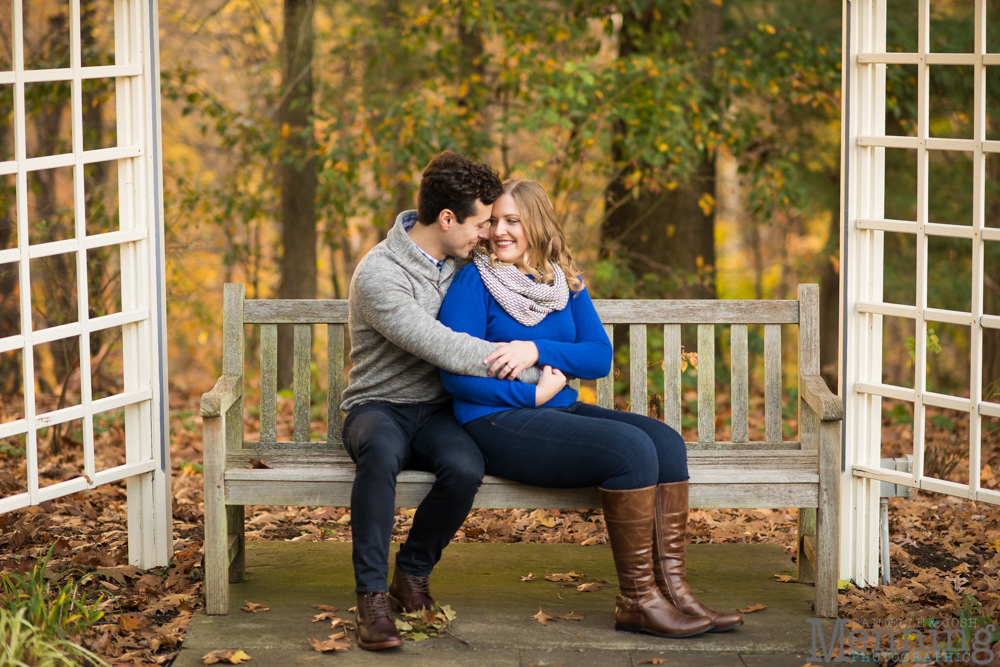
(297, 170)
(661, 229)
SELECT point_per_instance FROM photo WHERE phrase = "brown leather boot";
(670, 560)
(629, 516)
(373, 623)
(409, 593)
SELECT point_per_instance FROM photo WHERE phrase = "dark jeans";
(580, 445)
(383, 439)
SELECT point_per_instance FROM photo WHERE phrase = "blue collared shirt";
(408, 223)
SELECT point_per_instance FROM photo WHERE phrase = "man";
(399, 414)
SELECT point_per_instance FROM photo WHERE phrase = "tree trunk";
(829, 305)
(297, 171)
(660, 231)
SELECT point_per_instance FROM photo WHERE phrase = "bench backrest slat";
(606, 385)
(301, 361)
(689, 311)
(740, 381)
(637, 313)
(772, 383)
(672, 376)
(269, 383)
(706, 383)
(295, 311)
(334, 381)
(638, 400)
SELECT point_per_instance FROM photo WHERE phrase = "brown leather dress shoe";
(373, 623)
(409, 593)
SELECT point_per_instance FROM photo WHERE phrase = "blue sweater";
(572, 340)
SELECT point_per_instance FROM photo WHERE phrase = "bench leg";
(216, 531)
(237, 543)
(807, 528)
(828, 521)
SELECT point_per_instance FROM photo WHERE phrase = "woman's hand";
(550, 384)
(512, 358)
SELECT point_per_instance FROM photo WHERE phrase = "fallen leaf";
(254, 607)
(324, 607)
(561, 576)
(325, 616)
(786, 578)
(963, 551)
(331, 644)
(133, 622)
(229, 657)
(542, 617)
(752, 608)
(530, 577)
(572, 616)
(590, 587)
(258, 464)
(653, 661)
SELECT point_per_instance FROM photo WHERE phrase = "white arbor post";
(140, 242)
(864, 142)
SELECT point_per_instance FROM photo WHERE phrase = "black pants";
(383, 439)
(580, 445)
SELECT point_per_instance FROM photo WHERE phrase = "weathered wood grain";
(808, 360)
(268, 382)
(706, 383)
(295, 311)
(638, 398)
(740, 399)
(606, 385)
(511, 496)
(772, 383)
(672, 376)
(302, 360)
(227, 391)
(828, 518)
(216, 538)
(334, 382)
(813, 389)
(695, 311)
(233, 346)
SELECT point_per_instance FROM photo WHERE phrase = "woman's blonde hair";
(546, 241)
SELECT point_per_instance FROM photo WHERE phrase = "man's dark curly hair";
(455, 182)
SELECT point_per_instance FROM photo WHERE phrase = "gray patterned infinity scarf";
(525, 300)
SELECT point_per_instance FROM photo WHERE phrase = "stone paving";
(482, 583)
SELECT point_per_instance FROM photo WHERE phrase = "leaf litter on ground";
(425, 623)
(934, 538)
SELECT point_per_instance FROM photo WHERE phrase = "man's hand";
(512, 358)
(549, 385)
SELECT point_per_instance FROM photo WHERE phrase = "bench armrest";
(226, 392)
(813, 389)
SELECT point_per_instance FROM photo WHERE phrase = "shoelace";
(378, 605)
(417, 584)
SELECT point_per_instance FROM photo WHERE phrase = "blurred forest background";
(691, 149)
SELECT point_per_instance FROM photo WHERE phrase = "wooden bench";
(804, 474)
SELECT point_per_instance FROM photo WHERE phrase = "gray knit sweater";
(397, 344)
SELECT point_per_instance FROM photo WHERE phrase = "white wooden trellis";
(863, 147)
(140, 241)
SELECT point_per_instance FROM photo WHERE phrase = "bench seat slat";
(501, 494)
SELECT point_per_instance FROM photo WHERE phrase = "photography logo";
(949, 641)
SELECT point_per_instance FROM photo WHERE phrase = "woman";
(525, 288)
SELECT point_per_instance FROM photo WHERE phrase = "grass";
(40, 619)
